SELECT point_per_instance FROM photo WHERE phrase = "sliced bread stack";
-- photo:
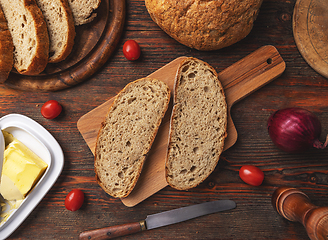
(29, 34)
(198, 125)
(42, 31)
(127, 134)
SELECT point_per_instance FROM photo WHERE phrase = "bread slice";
(198, 125)
(60, 23)
(83, 10)
(29, 33)
(6, 49)
(127, 133)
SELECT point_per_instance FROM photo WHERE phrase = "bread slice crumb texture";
(60, 23)
(198, 125)
(29, 33)
(127, 134)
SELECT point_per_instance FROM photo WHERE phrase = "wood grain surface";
(239, 80)
(254, 217)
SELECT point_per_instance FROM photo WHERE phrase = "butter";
(21, 169)
(10, 191)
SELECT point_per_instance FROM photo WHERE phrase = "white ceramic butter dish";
(42, 143)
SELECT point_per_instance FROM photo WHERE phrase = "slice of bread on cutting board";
(83, 10)
(60, 23)
(6, 49)
(198, 125)
(29, 33)
(127, 133)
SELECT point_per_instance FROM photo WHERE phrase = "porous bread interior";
(198, 126)
(127, 134)
(83, 10)
(23, 31)
(57, 24)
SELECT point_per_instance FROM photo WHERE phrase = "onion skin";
(295, 130)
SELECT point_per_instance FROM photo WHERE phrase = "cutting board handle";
(245, 77)
(251, 73)
(295, 205)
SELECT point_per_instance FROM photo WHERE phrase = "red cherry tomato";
(74, 200)
(251, 175)
(131, 50)
(51, 109)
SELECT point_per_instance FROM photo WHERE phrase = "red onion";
(295, 130)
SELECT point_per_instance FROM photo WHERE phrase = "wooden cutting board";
(310, 29)
(239, 80)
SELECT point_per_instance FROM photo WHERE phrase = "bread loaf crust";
(6, 49)
(205, 25)
(39, 60)
(61, 29)
(197, 127)
(127, 133)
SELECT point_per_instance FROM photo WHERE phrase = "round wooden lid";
(310, 28)
(94, 44)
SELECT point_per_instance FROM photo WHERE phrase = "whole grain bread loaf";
(6, 49)
(60, 23)
(198, 125)
(127, 133)
(83, 10)
(205, 25)
(29, 33)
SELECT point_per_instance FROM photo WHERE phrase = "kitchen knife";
(159, 220)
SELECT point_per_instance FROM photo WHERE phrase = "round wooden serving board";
(310, 28)
(94, 44)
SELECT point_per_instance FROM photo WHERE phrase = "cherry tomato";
(131, 50)
(74, 200)
(251, 175)
(51, 109)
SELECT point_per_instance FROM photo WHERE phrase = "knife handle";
(295, 205)
(113, 231)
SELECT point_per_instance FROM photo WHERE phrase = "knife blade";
(159, 220)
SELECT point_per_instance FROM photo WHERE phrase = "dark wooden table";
(254, 217)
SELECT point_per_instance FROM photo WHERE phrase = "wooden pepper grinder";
(295, 205)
